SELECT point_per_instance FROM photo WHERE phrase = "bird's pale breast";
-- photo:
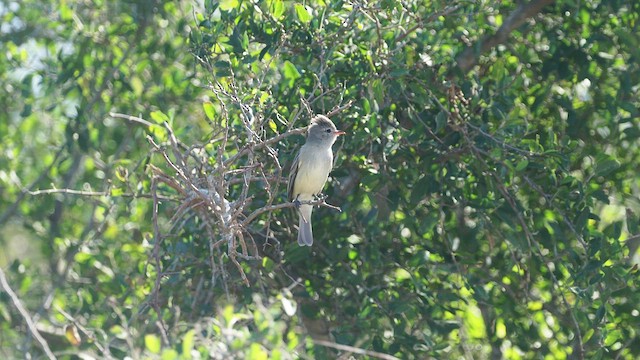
(311, 179)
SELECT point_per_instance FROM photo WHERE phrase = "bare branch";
(94, 193)
(339, 109)
(267, 142)
(446, 11)
(45, 172)
(25, 315)
(68, 191)
(134, 119)
(271, 208)
(355, 350)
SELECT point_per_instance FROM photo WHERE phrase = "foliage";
(486, 212)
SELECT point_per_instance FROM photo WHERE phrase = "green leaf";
(257, 352)
(302, 13)
(222, 68)
(613, 337)
(209, 110)
(187, 344)
(441, 121)
(366, 105)
(159, 117)
(378, 91)
(227, 5)
(66, 13)
(422, 188)
(290, 72)
(273, 126)
(4, 313)
(277, 8)
(581, 219)
(402, 274)
(152, 343)
(633, 224)
(222, 64)
(606, 166)
(522, 164)
(600, 195)
(267, 263)
(171, 354)
(587, 335)
(159, 132)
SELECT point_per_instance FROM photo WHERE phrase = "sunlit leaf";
(152, 343)
(159, 117)
(209, 110)
(188, 342)
(302, 13)
(227, 5)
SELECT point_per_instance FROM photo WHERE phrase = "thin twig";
(11, 210)
(94, 193)
(445, 11)
(131, 118)
(285, 205)
(267, 142)
(340, 108)
(25, 315)
(68, 191)
(355, 350)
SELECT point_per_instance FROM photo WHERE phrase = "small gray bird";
(310, 170)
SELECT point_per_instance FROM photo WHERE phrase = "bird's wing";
(293, 172)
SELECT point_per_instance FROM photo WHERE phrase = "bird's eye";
(327, 131)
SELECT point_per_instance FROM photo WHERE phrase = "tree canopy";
(484, 203)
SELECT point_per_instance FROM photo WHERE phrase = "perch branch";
(262, 210)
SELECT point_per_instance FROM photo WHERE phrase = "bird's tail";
(305, 232)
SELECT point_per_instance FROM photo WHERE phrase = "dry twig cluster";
(220, 188)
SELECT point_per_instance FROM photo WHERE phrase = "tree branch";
(267, 142)
(270, 208)
(4, 284)
(354, 350)
(11, 210)
(470, 56)
(446, 11)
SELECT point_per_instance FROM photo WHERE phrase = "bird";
(310, 170)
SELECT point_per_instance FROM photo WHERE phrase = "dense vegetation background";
(489, 184)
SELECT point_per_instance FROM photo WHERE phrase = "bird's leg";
(297, 204)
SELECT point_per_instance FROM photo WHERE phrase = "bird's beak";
(340, 132)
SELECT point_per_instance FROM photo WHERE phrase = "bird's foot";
(320, 197)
